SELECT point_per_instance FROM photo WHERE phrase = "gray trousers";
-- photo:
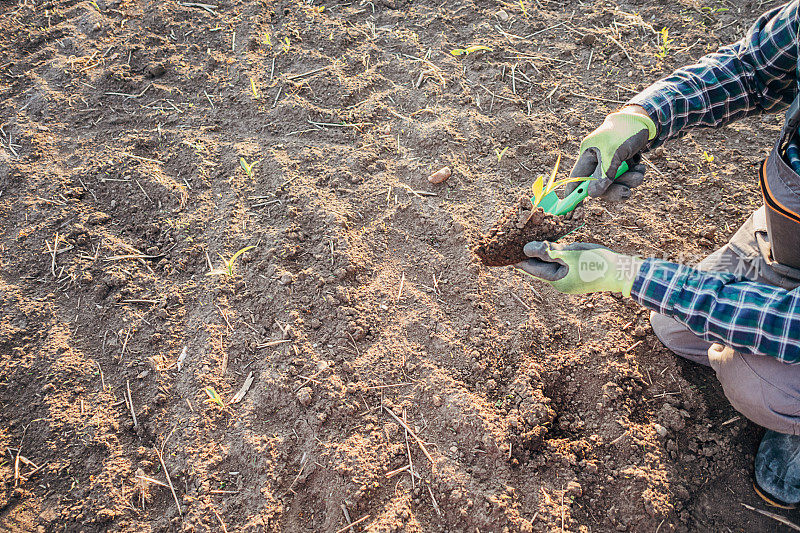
(760, 387)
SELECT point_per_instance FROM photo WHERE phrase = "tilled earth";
(393, 380)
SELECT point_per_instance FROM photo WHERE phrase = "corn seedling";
(708, 157)
(540, 189)
(254, 89)
(713, 10)
(500, 153)
(213, 396)
(524, 9)
(664, 43)
(95, 5)
(286, 44)
(471, 49)
(268, 39)
(318, 9)
(228, 263)
(248, 168)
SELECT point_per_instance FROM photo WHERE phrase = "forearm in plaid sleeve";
(750, 317)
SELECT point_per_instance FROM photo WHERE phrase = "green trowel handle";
(579, 194)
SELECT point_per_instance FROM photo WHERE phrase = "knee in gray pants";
(679, 339)
(762, 388)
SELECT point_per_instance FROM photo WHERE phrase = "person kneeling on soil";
(739, 310)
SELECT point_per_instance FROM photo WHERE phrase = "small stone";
(437, 400)
(502, 15)
(286, 278)
(589, 39)
(660, 430)
(639, 332)
(304, 396)
(672, 165)
(440, 175)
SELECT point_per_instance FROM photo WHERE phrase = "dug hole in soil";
(359, 365)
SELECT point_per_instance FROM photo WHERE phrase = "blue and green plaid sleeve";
(757, 74)
(750, 317)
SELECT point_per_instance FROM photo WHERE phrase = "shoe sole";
(774, 502)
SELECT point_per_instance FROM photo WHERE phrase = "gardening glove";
(622, 137)
(580, 268)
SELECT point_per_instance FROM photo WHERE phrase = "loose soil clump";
(502, 245)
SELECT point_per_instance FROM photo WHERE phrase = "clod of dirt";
(304, 396)
(440, 175)
(502, 245)
(155, 70)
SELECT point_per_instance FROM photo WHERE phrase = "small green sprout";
(92, 2)
(708, 157)
(213, 396)
(471, 49)
(254, 89)
(540, 190)
(664, 43)
(248, 168)
(268, 39)
(286, 44)
(500, 153)
(228, 263)
(524, 9)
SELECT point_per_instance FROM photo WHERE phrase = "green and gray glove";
(622, 137)
(580, 268)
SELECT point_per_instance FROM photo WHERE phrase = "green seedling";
(286, 44)
(95, 5)
(268, 39)
(471, 49)
(664, 43)
(254, 90)
(248, 168)
(708, 157)
(228, 263)
(213, 396)
(500, 153)
(540, 189)
(524, 9)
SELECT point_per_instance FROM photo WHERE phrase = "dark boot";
(777, 469)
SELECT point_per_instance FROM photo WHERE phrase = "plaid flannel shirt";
(755, 75)
(750, 317)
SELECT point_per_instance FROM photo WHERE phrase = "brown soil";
(122, 127)
(520, 224)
